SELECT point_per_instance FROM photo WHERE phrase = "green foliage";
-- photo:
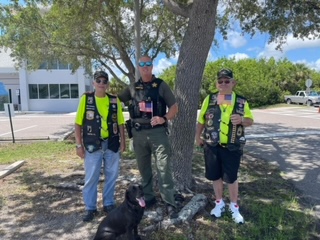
(263, 82)
(88, 33)
(50, 151)
(169, 76)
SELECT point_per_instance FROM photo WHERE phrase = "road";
(290, 138)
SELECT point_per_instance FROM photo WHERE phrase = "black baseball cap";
(98, 74)
(225, 73)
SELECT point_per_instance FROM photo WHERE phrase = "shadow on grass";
(271, 206)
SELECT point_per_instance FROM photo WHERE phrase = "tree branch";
(178, 8)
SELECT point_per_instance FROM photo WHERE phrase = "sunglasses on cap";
(104, 81)
(145, 64)
(223, 81)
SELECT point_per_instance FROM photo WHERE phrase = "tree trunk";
(191, 63)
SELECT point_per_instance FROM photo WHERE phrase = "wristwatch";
(79, 146)
(165, 119)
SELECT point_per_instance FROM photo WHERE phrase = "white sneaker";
(218, 209)
(236, 216)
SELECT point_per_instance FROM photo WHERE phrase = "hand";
(199, 142)
(157, 120)
(236, 119)
(80, 152)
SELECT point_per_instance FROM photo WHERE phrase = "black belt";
(138, 126)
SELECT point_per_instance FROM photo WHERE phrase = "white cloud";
(238, 56)
(163, 64)
(236, 40)
(291, 44)
(313, 65)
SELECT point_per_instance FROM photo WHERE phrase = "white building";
(57, 90)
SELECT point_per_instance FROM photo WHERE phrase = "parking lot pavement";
(33, 126)
(37, 126)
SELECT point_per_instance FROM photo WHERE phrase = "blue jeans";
(92, 166)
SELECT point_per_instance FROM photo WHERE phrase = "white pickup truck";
(303, 97)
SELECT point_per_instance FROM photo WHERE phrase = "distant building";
(55, 90)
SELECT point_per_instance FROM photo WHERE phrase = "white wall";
(20, 79)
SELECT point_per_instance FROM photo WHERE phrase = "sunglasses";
(103, 81)
(145, 64)
(224, 81)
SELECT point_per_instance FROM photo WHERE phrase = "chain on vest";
(213, 121)
(146, 101)
(92, 123)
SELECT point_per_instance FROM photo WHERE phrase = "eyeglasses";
(224, 81)
(145, 64)
(105, 81)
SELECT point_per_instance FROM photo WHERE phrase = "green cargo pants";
(154, 142)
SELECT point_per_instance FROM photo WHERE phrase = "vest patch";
(90, 115)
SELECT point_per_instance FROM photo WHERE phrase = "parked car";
(303, 97)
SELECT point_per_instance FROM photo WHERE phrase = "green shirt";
(103, 108)
(226, 112)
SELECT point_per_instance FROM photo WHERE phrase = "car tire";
(288, 101)
(309, 103)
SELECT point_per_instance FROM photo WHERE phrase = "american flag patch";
(145, 106)
(224, 99)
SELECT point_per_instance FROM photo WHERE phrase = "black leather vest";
(92, 125)
(211, 133)
(147, 93)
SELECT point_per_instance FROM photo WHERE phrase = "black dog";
(125, 218)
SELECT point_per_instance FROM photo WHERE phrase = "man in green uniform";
(148, 101)
(220, 130)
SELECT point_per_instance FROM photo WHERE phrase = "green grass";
(271, 205)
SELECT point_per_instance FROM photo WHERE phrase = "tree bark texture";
(191, 63)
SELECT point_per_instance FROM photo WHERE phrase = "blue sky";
(296, 50)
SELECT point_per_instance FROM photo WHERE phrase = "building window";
(55, 65)
(64, 90)
(74, 90)
(55, 91)
(33, 91)
(43, 91)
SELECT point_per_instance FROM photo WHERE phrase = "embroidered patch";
(115, 128)
(213, 100)
(90, 115)
(239, 131)
(90, 148)
(89, 129)
(210, 123)
(209, 116)
(114, 117)
(90, 100)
